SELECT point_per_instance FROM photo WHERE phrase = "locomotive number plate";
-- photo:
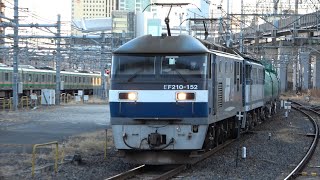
(180, 87)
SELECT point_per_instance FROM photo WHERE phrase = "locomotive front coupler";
(155, 139)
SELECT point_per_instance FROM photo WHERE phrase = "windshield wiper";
(135, 75)
(180, 75)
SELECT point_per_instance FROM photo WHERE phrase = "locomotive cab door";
(211, 84)
(212, 79)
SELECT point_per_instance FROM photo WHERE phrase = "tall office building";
(134, 5)
(90, 9)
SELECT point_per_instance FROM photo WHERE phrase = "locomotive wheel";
(219, 135)
(210, 138)
(269, 111)
(249, 121)
(254, 119)
(224, 133)
(258, 115)
(246, 127)
(233, 129)
(274, 108)
(262, 114)
(235, 133)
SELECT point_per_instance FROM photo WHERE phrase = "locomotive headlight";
(130, 96)
(183, 96)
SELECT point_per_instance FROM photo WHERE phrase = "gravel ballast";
(266, 158)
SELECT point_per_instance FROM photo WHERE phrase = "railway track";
(313, 154)
(165, 171)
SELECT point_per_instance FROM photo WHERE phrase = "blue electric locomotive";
(171, 96)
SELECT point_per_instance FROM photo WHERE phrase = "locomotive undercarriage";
(221, 131)
(256, 116)
(218, 133)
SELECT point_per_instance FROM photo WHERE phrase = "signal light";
(183, 96)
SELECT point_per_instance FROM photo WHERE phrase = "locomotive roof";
(229, 55)
(149, 44)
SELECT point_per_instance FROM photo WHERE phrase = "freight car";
(173, 96)
(33, 80)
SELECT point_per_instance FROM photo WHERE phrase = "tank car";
(272, 91)
(171, 97)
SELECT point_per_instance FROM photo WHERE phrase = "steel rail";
(128, 174)
(172, 172)
(176, 170)
(295, 172)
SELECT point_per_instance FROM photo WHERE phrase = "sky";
(41, 12)
(49, 9)
(45, 11)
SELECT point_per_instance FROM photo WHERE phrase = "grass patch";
(88, 143)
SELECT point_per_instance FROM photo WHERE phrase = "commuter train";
(172, 97)
(33, 80)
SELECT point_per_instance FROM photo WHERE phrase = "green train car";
(271, 89)
(33, 80)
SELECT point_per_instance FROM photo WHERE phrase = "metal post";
(58, 62)
(296, 3)
(228, 35)
(220, 31)
(275, 6)
(102, 66)
(106, 145)
(241, 28)
(34, 156)
(15, 56)
(180, 18)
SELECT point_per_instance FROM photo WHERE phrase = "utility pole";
(15, 56)
(275, 6)
(180, 18)
(15, 24)
(58, 62)
(228, 35)
(296, 7)
(241, 28)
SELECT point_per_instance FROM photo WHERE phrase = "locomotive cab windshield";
(159, 67)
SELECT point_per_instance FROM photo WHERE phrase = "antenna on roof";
(167, 20)
(206, 34)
